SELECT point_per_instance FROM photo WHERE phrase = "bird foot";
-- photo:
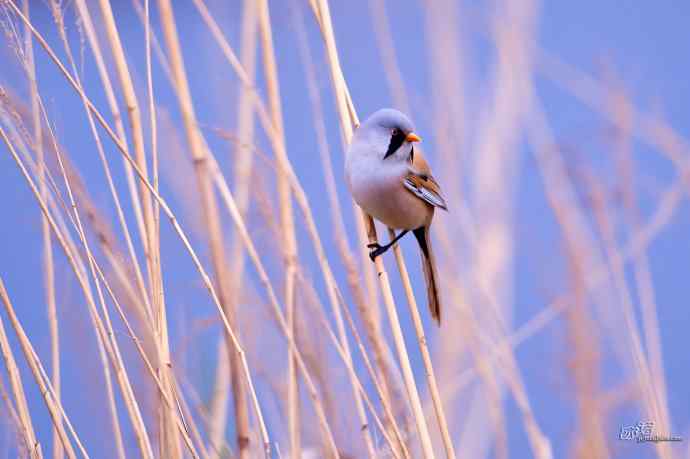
(377, 250)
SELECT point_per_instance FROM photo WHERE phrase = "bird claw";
(377, 250)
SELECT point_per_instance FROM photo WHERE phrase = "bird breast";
(378, 189)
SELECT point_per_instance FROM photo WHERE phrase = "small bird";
(392, 182)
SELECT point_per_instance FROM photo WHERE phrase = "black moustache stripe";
(397, 140)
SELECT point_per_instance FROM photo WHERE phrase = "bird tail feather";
(430, 273)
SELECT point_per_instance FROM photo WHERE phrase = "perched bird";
(392, 182)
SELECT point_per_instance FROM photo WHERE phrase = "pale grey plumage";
(392, 182)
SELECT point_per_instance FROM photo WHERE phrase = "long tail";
(429, 266)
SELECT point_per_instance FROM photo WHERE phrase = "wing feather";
(425, 187)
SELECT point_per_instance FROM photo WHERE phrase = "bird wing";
(422, 184)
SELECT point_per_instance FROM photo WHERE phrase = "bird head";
(390, 132)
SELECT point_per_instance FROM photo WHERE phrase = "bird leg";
(378, 249)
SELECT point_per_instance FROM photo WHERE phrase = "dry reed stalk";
(157, 279)
(157, 290)
(70, 248)
(134, 116)
(446, 41)
(163, 204)
(637, 245)
(360, 223)
(490, 388)
(386, 46)
(304, 205)
(23, 416)
(103, 350)
(199, 408)
(426, 357)
(80, 270)
(211, 215)
(168, 443)
(368, 312)
(101, 229)
(277, 139)
(48, 269)
(390, 418)
(243, 160)
(129, 171)
(111, 347)
(332, 289)
(330, 282)
(106, 247)
(575, 227)
(643, 278)
(310, 340)
(169, 399)
(229, 202)
(584, 363)
(107, 242)
(92, 38)
(346, 117)
(53, 407)
(217, 419)
(650, 129)
(495, 184)
(651, 402)
(348, 363)
(195, 433)
(105, 330)
(289, 241)
(12, 413)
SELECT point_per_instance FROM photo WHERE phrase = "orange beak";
(412, 137)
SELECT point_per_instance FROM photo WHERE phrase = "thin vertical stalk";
(48, 270)
(168, 440)
(346, 118)
(426, 357)
(358, 385)
(263, 276)
(65, 241)
(92, 38)
(192, 253)
(104, 328)
(289, 242)
(134, 116)
(53, 407)
(105, 345)
(368, 311)
(210, 210)
(243, 160)
(279, 146)
(25, 427)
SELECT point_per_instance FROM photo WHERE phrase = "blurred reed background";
(183, 273)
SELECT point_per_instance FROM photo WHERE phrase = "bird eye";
(395, 131)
